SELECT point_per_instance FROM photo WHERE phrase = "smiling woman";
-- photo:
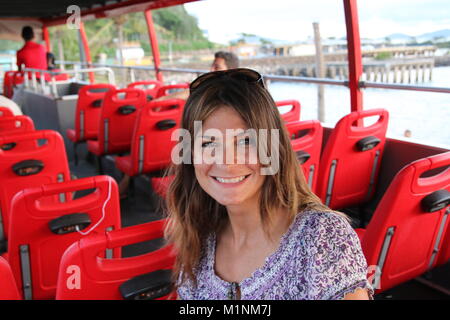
(242, 234)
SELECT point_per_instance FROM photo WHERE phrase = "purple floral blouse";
(319, 257)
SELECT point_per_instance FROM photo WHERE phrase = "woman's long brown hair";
(193, 214)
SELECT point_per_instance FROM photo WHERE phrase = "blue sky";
(292, 19)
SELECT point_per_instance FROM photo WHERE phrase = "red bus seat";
(18, 78)
(168, 89)
(306, 140)
(117, 120)
(151, 87)
(151, 143)
(291, 115)
(15, 125)
(88, 109)
(111, 279)
(6, 112)
(8, 84)
(40, 231)
(10, 80)
(87, 113)
(405, 232)
(32, 166)
(352, 152)
(8, 286)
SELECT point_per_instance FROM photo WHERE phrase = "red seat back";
(15, 125)
(165, 90)
(18, 78)
(41, 231)
(88, 110)
(8, 286)
(50, 158)
(403, 237)
(8, 84)
(117, 120)
(151, 87)
(306, 140)
(350, 154)
(6, 112)
(152, 139)
(293, 114)
(101, 278)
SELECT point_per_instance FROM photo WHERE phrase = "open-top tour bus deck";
(405, 237)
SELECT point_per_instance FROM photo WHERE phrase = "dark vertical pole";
(354, 54)
(154, 44)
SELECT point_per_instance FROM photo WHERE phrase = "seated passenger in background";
(32, 54)
(222, 61)
(52, 67)
(51, 61)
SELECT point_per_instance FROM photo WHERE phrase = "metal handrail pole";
(323, 81)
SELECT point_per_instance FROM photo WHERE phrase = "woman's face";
(228, 169)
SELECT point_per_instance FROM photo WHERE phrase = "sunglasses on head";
(244, 74)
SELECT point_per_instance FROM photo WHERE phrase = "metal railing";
(10, 63)
(43, 84)
(369, 84)
(319, 81)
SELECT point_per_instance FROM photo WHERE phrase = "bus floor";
(145, 206)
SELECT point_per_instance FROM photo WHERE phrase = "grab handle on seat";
(128, 109)
(166, 124)
(435, 201)
(97, 103)
(8, 146)
(367, 143)
(69, 223)
(302, 156)
(148, 286)
(28, 167)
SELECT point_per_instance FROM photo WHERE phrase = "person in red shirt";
(32, 54)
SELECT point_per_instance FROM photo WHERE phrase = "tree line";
(176, 30)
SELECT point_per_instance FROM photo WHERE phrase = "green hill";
(174, 27)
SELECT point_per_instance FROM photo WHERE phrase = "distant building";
(247, 50)
(132, 53)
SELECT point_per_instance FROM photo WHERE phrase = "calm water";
(425, 114)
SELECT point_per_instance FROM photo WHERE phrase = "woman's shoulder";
(324, 232)
(334, 263)
(321, 223)
(317, 230)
